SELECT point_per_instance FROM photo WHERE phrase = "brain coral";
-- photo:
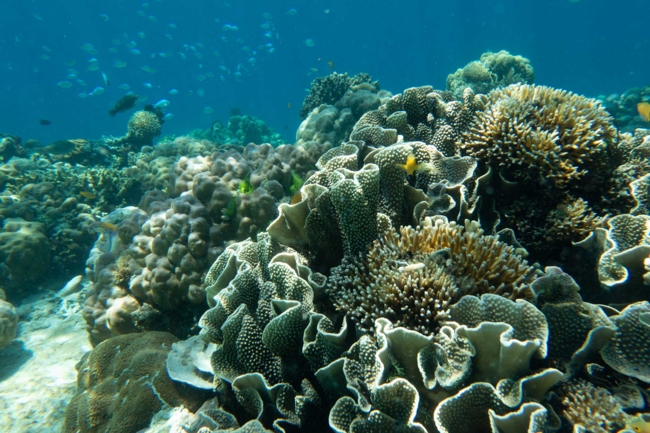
(123, 382)
(543, 135)
(413, 277)
(143, 127)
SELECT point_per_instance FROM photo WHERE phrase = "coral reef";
(413, 277)
(241, 130)
(8, 321)
(331, 88)
(491, 71)
(168, 245)
(623, 107)
(330, 123)
(123, 383)
(542, 135)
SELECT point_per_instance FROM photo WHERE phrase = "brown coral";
(413, 277)
(573, 220)
(541, 134)
(592, 407)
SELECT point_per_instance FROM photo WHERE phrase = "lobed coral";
(491, 71)
(412, 278)
(331, 88)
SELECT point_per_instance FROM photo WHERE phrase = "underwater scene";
(324, 216)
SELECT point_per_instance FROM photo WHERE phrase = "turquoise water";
(590, 47)
(324, 216)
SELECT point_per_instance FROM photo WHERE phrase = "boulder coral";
(123, 383)
(491, 71)
(8, 321)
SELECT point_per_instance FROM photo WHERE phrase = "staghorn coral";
(592, 407)
(541, 134)
(493, 70)
(413, 277)
(573, 220)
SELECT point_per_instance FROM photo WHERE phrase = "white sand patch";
(37, 371)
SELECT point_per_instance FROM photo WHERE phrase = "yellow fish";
(644, 110)
(87, 194)
(412, 166)
(639, 424)
(104, 225)
(331, 64)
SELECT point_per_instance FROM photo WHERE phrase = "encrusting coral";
(123, 383)
(412, 278)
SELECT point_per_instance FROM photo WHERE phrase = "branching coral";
(573, 220)
(541, 134)
(592, 407)
(413, 277)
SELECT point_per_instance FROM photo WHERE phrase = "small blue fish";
(161, 104)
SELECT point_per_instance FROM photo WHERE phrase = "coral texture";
(541, 134)
(412, 278)
(491, 71)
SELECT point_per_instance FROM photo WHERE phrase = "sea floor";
(37, 370)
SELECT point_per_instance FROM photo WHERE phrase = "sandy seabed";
(37, 370)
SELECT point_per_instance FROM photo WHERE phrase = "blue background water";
(590, 47)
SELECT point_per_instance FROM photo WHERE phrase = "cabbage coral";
(542, 134)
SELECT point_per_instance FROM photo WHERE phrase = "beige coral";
(541, 134)
(413, 277)
(592, 407)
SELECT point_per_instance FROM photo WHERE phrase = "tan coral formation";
(413, 277)
(542, 134)
(592, 407)
(491, 71)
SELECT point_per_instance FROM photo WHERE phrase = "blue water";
(590, 47)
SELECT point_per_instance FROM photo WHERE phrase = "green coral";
(245, 186)
(296, 183)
